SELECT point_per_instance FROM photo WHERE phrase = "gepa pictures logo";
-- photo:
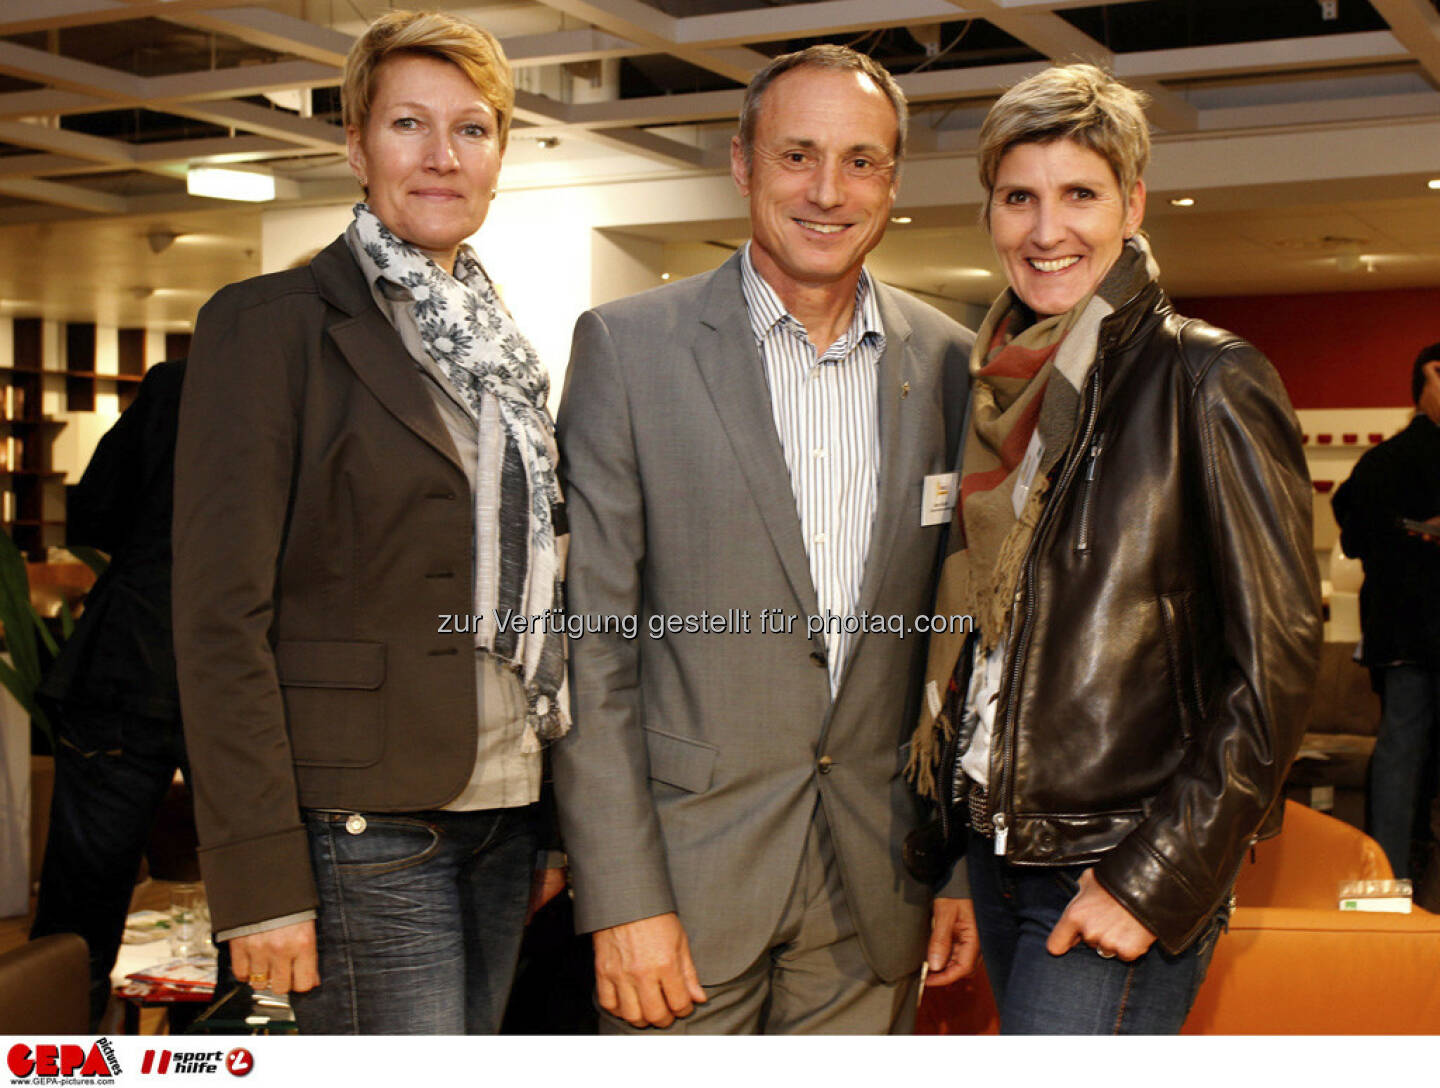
(43, 1062)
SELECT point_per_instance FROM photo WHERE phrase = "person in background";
(364, 455)
(1389, 517)
(756, 440)
(1134, 541)
(111, 691)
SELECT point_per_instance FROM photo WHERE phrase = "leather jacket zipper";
(999, 794)
(949, 758)
(1083, 543)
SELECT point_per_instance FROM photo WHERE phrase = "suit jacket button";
(817, 659)
(826, 764)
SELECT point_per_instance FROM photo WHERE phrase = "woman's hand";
(277, 960)
(1095, 917)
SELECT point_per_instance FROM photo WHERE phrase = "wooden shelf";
(123, 379)
(95, 374)
(31, 486)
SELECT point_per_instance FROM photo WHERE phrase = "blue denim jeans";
(1403, 768)
(420, 919)
(1079, 993)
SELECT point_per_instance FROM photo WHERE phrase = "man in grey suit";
(755, 464)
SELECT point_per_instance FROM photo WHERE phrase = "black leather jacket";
(1167, 626)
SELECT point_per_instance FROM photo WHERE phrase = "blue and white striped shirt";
(826, 415)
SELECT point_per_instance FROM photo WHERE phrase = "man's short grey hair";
(840, 58)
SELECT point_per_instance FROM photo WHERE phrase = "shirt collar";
(767, 311)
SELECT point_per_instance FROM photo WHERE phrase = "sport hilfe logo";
(62, 1060)
(238, 1061)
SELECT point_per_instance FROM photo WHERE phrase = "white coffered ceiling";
(104, 103)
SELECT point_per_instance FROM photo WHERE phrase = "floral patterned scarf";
(519, 517)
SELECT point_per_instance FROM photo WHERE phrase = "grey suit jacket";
(692, 772)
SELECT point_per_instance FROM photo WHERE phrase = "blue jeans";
(1401, 775)
(420, 919)
(1079, 993)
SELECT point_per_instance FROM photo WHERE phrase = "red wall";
(1344, 350)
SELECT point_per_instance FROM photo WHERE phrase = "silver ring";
(1104, 955)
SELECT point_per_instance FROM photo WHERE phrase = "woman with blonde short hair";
(1133, 541)
(365, 478)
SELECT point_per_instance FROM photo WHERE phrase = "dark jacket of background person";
(121, 655)
(1400, 478)
(306, 601)
(111, 691)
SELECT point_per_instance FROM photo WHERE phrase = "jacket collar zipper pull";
(1094, 456)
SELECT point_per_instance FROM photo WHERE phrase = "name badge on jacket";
(937, 501)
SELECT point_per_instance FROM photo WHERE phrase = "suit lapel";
(729, 361)
(896, 456)
(375, 351)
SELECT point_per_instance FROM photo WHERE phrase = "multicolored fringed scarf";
(519, 520)
(1025, 381)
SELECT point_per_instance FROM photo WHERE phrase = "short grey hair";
(839, 58)
(1071, 102)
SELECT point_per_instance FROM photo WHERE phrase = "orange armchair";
(1292, 962)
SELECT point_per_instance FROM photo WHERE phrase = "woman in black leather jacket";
(1133, 540)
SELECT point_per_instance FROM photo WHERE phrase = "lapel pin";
(904, 390)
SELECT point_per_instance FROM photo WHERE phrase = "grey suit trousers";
(813, 979)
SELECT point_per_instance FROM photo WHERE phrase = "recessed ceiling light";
(1364, 262)
(901, 219)
(1433, 183)
(230, 183)
(1183, 201)
(664, 275)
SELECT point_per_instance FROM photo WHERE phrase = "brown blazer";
(323, 523)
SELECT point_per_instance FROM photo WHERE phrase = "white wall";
(288, 234)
